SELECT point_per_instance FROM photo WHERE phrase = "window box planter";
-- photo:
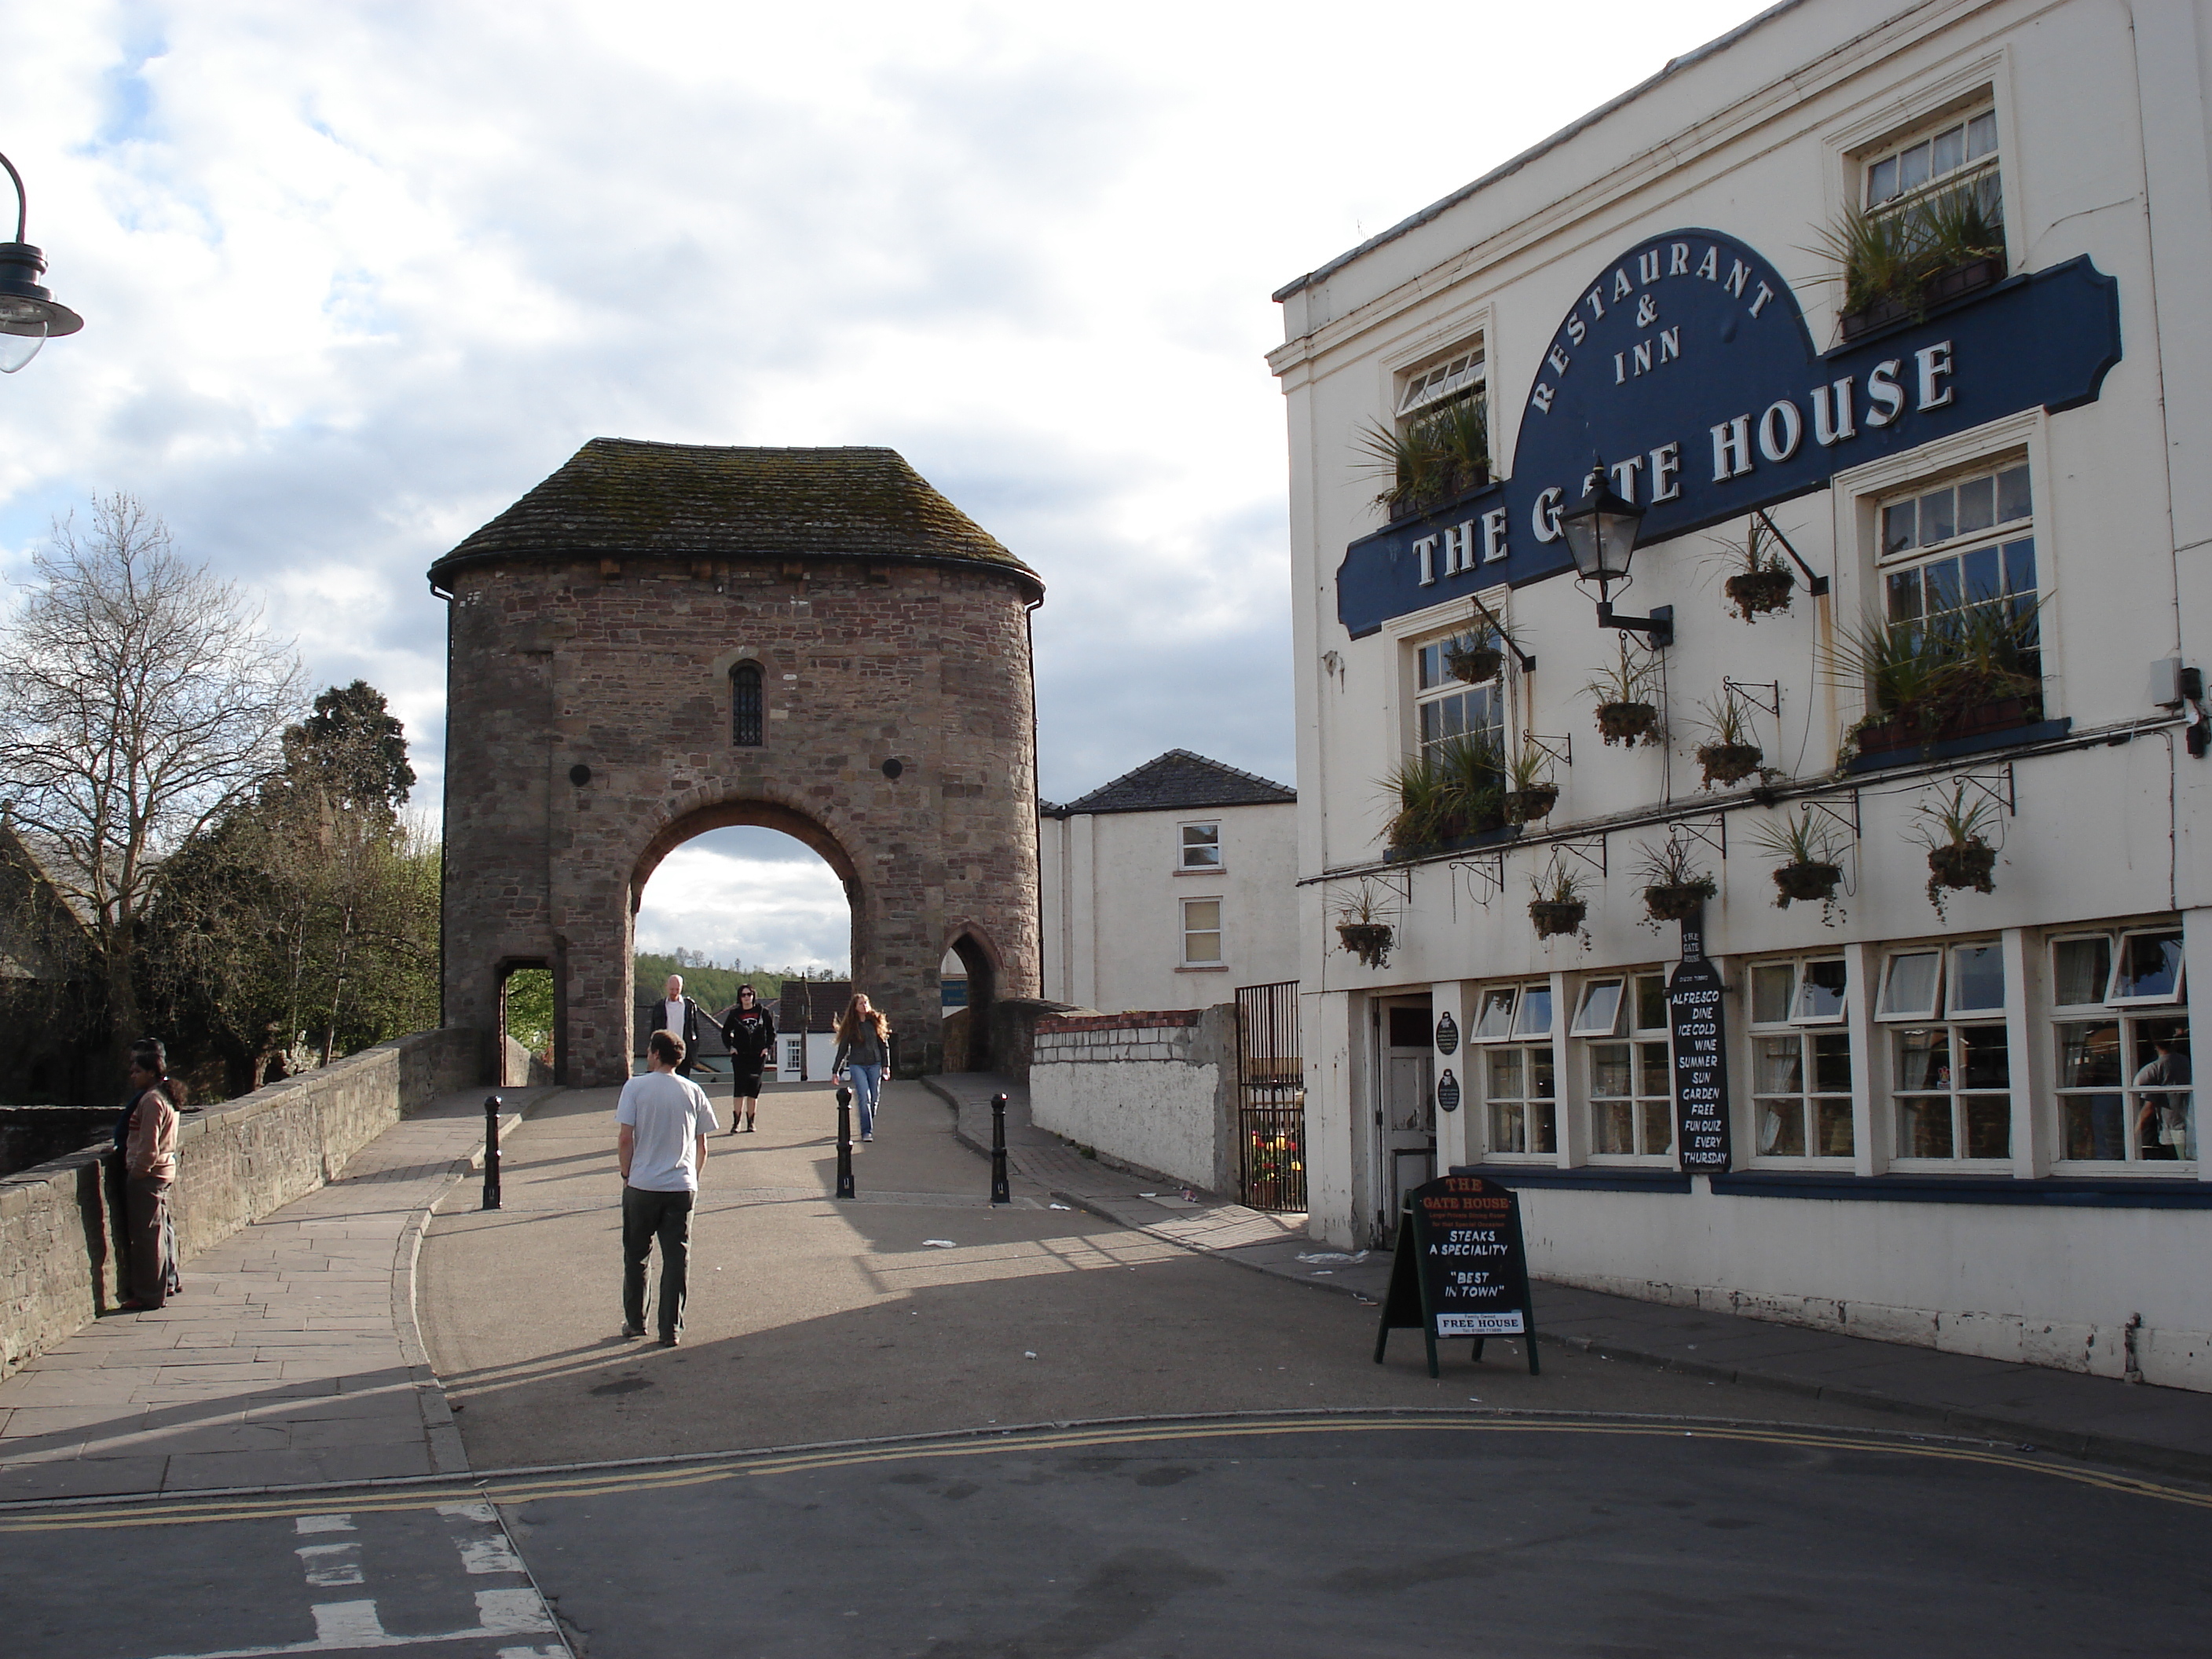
(1367, 940)
(1811, 882)
(1676, 903)
(1759, 592)
(1728, 763)
(1554, 919)
(1904, 730)
(1407, 509)
(1954, 283)
(1525, 805)
(1626, 723)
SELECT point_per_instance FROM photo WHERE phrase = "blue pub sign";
(1686, 365)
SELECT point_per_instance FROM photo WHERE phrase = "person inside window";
(2162, 1112)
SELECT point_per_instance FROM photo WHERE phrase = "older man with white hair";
(676, 1013)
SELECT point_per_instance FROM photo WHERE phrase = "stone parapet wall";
(62, 1260)
(1154, 1089)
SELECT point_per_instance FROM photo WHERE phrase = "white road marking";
(348, 1624)
(479, 1512)
(492, 1554)
(307, 1524)
(329, 1565)
(517, 1612)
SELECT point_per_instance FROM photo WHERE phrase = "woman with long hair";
(749, 1032)
(148, 1136)
(864, 1045)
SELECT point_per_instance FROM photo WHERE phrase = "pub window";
(1201, 847)
(2121, 1029)
(1447, 709)
(1515, 1027)
(1950, 1058)
(1959, 583)
(745, 705)
(1621, 1025)
(1800, 1058)
(1435, 447)
(1936, 164)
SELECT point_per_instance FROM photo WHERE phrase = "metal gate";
(1271, 1096)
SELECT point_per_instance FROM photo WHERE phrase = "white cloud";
(750, 897)
(356, 276)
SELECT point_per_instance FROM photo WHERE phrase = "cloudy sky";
(356, 276)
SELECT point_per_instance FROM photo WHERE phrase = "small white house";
(1168, 887)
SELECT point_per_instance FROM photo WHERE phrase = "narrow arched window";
(746, 705)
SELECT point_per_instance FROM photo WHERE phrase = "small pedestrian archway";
(972, 949)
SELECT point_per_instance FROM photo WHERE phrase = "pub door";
(1406, 1111)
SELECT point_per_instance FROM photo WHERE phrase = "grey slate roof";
(619, 497)
(1177, 781)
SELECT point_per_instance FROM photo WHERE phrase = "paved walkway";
(290, 1358)
(2166, 1429)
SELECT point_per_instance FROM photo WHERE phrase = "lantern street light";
(1601, 531)
(29, 314)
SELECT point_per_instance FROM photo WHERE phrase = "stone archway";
(665, 639)
(980, 963)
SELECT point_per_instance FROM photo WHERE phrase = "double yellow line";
(580, 1481)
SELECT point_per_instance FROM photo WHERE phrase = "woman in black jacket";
(750, 1034)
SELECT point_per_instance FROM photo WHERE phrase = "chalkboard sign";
(1447, 1034)
(1448, 1092)
(1694, 1021)
(1459, 1268)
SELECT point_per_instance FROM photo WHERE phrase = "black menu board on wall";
(1695, 1022)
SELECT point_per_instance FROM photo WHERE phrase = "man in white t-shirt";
(664, 1122)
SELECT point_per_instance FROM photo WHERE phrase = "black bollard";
(844, 1143)
(1001, 1192)
(491, 1152)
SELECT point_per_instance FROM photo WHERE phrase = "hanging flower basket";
(1673, 904)
(1626, 722)
(1524, 806)
(1962, 863)
(1810, 882)
(1473, 664)
(1755, 593)
(1367, 940)
(1557, 921)
(1728, 763)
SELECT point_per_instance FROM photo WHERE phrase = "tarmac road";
(1322, 1534)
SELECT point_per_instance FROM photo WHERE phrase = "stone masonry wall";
(61, 1232)
(1156, 1090)
(623, 668)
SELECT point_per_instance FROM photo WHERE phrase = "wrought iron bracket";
(1747, 690)
(1814, 585)
(1590, 850)
(1560, 749)
(1485, 877)
(1527, 663)
(1709, 832)
(1997, 786)
(1834, 812)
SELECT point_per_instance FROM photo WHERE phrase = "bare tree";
(139, 699)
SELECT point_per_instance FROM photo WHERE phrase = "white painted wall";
(1112, 892)
(1140, 1092)
(1750, 139)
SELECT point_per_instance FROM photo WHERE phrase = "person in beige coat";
(150, 1169)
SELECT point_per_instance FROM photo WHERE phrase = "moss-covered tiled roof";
(620, 497)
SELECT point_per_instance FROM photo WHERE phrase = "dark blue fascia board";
(2109, 1193)
(1591, 1176)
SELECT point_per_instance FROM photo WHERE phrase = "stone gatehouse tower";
(665, 639)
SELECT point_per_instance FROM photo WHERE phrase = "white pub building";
(1754, 574)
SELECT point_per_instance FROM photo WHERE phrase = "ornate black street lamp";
(29, 316)
(1601, 531)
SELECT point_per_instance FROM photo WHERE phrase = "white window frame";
(1533, 1045)
(1447, 686)
(1442, 377)
(1807, 1030)
(1623, 1031)
(1962, 114)
(1185, 846)
(2127, 1016)
(1217, 933)
(1955, 1092)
